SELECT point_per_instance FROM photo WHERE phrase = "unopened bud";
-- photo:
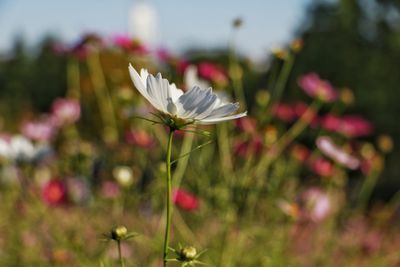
(237, 22)
(118, 233)
(297, 45)
(280, 53)
(188, 253)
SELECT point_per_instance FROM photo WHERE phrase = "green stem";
(121, 260)
(104, 98)
(169, 187)
(73, 79)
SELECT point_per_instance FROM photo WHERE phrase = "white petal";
(139, 80)
(221, 119)
(195, 102)
(175, 92)
(223, 110)
(157, 89)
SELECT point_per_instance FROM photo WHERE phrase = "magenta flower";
(331, 150)
(65, 111)
(247, 124)
(322, 167)
(284, 112)
(85, 45)
(139, 137)
(129, 44)
(212, 73)
(185, 200)
(348, 125)
(317, 88)
(253, 146)
(356, 126)
(40, 130)
(110, 190)
(54, 192)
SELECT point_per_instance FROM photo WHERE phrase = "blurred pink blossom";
(247, 124)
(347, 125)
(212, 73)
(284, 112)
(110, 190)
(317, 204)
(330, 149)
(78, 189)
(65, 110)
(322, 167)
(185, 200)
(129, 44)
(42, 130)
(54, 192)
(300, 108)
(356, 126)
(312, 85)
(85, 45)
(139, 137)
(246, 148)
(300, 152)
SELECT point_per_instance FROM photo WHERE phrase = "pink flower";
(247, 124)
(212, 73)
(247, 147)
(41, 130)
(315, 87)
(348, 125)
(129, 44)
(322, 167)
(54, 192)
(83, 47)
(65, 110)
(180, 64)
(317, 204)
(331, 122)
(163, 54)
(284, 112)
(355, 126)
(110, 190)
(139, 137)
(300, 152)
(300, 108)
(185, 200)
(331, 150)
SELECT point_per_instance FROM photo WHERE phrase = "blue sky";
(181, 23)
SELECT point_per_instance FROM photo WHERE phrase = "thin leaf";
(188, 153)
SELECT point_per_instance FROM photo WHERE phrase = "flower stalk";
(169, 202)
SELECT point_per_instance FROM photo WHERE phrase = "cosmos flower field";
(257, 179)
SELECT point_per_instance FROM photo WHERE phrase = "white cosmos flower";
(197, 105)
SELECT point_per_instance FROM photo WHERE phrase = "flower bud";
(237, 22)
(280, 53)
(188, 253)
(346, 96)
(118, 233)
(385, 143)
(297, 45)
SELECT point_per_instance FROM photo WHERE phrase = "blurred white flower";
(123, 175)
(330, 149)
(21, 148)
(197, 105)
